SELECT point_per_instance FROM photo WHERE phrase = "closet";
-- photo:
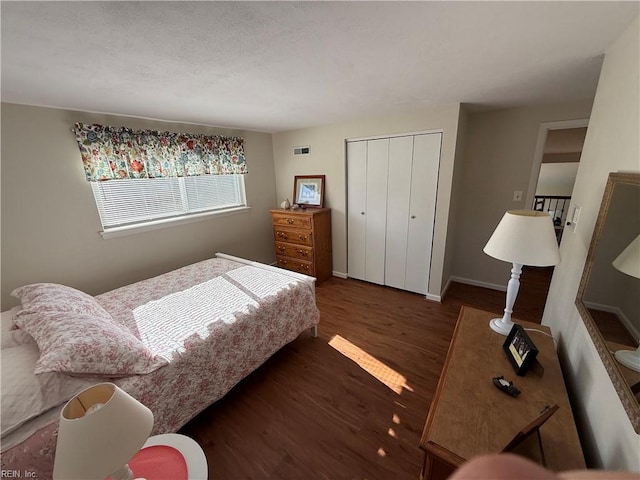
(391, 203)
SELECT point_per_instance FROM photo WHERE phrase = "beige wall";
(498, 159)
(457, 195)
(50, 223)
(612, 144)
(328, 158)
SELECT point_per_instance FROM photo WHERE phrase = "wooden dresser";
(469, 416)
(303, 241)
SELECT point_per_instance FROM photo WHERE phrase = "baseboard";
(339, 274)
(434, 298)
(633, 330)
(477, 283)
(446, 287)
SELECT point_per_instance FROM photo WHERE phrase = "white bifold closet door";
(392, 186)
(356, 211)
(367, 179)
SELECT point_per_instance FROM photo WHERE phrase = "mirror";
(608, 298)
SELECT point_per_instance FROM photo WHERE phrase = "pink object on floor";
(159, 462)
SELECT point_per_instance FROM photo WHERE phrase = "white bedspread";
(165, 324)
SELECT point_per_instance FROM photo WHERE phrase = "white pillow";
(25, 395)
(9, 337)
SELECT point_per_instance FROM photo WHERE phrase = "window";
(145, 201)
(145, 178)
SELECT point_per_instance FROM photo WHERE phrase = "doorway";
(553, 175)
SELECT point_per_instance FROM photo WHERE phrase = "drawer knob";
(281, 248)
(302, 237)
(289, 220)
(304, 253)
(282, 235)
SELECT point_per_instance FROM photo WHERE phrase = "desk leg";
(427, 465)
(435, 468)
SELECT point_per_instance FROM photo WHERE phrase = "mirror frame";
(629, 401)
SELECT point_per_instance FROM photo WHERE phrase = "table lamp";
(101, 429)
(523, 237)
(629, 262)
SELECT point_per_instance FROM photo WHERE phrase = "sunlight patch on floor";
(370, 364)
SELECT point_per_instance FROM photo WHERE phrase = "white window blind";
(137, 201)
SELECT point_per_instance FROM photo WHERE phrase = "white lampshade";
(101, 429)
(526, 237)
(629, 260)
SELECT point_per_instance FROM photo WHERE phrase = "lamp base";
(629, 358)
(501, 326)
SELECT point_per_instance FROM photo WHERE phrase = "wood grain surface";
(311, 412)
(469, 416)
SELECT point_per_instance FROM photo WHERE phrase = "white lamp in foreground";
(523, 237)
(629, 262)
(101, 429)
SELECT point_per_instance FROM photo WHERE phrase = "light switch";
(572, 217)
(517, 195)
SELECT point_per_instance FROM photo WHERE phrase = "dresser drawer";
(300, 266)
(303, 241)
(294, 251)
(300, 237)
(291, 220)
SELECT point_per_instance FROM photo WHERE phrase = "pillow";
(25, 395)
(9, 337)
(51, 297)
(79, 343)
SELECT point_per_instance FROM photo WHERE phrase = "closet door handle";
(361, 213)
(413, 216)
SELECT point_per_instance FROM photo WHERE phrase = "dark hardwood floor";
(612, 328)
(350, 404)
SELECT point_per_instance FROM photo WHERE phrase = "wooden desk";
(469, 416)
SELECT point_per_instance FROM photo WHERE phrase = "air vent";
(302, 150)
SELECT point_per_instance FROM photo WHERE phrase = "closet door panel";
(424, 185)
(398, 195)
(356, 201)
(376, 209)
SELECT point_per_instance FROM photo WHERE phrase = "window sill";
(169, 222)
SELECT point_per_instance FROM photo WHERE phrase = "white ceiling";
(275, 66)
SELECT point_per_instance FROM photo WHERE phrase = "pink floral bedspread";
(203, 366)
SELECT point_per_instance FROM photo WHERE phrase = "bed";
(177, 342)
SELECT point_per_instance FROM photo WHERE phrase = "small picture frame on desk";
(308, 191)
(520, 350)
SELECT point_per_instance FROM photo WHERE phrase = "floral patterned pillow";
(79, 343)
(52, 297)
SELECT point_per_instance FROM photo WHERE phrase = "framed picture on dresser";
(308, 191)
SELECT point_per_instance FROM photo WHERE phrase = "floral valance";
(110, 153)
